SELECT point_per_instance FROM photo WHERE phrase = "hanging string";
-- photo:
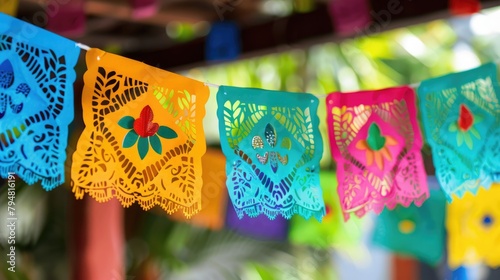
(211, 85)
(414, 85)
(82, 46)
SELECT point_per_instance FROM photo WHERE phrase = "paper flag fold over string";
(273, 148)
(473, 225)
(36, 101)
(415, 231)
(143, 138)
(213, 193)
(376, 142)
(461, 119)
(331, 231)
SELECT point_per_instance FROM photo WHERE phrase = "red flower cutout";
(465, 118)
(144, 125)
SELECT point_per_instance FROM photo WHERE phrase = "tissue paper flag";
(144, 8)
(273, 148)
(36, 101)
(143, 138)
(461, 119)
(415, 231)
(259, 227)
(464, 7)
(66, 19)
(473, 225)
(376, 142)
(331, 231)
(350, 16)
(223, 41)
(9, 7)
(213, 193)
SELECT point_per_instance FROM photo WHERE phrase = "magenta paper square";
(376, 142)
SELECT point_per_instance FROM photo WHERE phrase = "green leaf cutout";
(468, 140)
(155, 143)
(453, 127)
(130, 139)
(167, 132)
(126, 122)
(460, 139)
(474, 132)
(375, 139)
(143, 147)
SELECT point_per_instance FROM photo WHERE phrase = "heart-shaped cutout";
(144, 125)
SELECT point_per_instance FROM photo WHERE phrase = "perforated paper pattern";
(36, 101)
(418, 232)
(273, 148)
(461, 120)
(473, 225)
(376, 142)
(143, 138)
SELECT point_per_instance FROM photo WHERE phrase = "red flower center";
(465, 118)
(144, 125)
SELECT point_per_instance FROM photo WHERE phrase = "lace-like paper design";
(376, 142)
(36, 101)
(473, 225)
(415, 231)
(143, 138)
(461, 120)
(273, 148)
(213, 195)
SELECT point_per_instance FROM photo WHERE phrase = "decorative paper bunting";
(66, 19)
(144, 8)
(273, 148)
(461, 119)
(213, 193)
(259, 227)
(143, 139)
(9, 7)
(415, 231)
(223, 41)
(376, 142)
(36, 101)
(473, 225)
(464, 7)
(350, 16)
(331, 231)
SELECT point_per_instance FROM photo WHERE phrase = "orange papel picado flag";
(143, 138)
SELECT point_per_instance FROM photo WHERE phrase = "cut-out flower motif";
(376, 146)
(273, 156)
(464, 127)
(145, 132)
(14, 100)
